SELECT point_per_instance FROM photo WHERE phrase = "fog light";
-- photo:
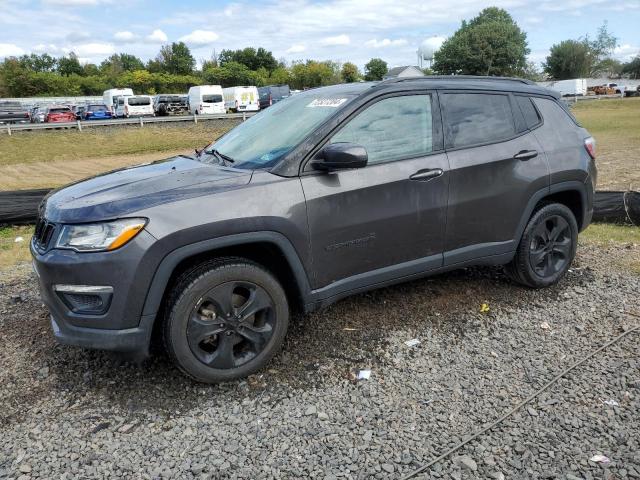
(85, 299)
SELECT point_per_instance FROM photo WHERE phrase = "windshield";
(139, 101)
(265, 138)
(216, 98)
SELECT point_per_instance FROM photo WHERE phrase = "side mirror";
(340, 156)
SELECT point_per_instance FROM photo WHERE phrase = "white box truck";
(205, 99)
(574, 87)
(108, 97)
(241, 99)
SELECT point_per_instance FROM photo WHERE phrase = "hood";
(123, 192)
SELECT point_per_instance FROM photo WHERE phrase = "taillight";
(590, 146)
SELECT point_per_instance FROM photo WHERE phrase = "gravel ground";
(68, 413)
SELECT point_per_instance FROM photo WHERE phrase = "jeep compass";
(327, 193)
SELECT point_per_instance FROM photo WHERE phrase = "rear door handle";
(426, 174)
(526, 155)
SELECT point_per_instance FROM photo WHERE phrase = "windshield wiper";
(224, 159)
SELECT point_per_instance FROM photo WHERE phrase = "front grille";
(43, 233)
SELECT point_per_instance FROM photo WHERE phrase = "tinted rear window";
(135, 101)
(476, 118)
(215, 98)
(59, 110)
(531, 116)
(97, 108)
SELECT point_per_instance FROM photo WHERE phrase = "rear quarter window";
(531, 116)
(476, 118)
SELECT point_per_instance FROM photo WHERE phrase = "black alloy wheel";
(550, 247)
(231, 324)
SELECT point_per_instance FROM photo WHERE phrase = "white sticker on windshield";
(327, 102)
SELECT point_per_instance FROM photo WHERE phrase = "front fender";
(170, 262)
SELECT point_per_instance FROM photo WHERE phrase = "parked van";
(241, 99)
(108, 97)
(206, 99)
(272, 94)
(134, 106)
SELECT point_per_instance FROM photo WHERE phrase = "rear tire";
(225, 320)
(547, 248)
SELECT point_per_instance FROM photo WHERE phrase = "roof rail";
(458, 77)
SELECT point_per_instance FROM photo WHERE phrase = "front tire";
(547, 248)
(225, 320)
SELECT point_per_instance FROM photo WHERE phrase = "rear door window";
(476, 118)
(531, 117)
(392, 129)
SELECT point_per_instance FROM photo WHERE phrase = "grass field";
(44, 159)
(615, 124)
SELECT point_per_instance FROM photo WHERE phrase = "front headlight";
(92, 237)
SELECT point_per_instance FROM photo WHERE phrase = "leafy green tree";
(583, 57)
(250, 57)
(490, 44)
(632, 68)
(350, 73)
(121, 62)
(70, 65)
(175, 58)
(39, 63)
(569, 59)
(280, 76)
(229, 74)
(375, 69)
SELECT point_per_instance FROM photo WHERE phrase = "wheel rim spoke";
(563, 248)
(223, 357)
(559, 226)
(257, 336)
(200, 329)
(258, 300)
(537, 256)
(222, 297)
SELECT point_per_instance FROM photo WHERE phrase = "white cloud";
(157, 36)
(10, 50)
(49, 48)
(125, 36)
(334, 41)
(385, 42)
(296, 49)
(93, 49)
(626, 52)
(200, 37)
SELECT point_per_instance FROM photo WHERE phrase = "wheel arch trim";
(168, 264)
(568, 186)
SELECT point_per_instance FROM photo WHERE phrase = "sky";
(340, 30)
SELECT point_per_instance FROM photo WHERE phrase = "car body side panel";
(369, 218)
(488, 193)
(563, 142)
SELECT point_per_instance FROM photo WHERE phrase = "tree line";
(491, 43)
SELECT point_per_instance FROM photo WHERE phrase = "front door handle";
(526, 155)
(426, 174)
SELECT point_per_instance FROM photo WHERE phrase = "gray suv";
(328, 193)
